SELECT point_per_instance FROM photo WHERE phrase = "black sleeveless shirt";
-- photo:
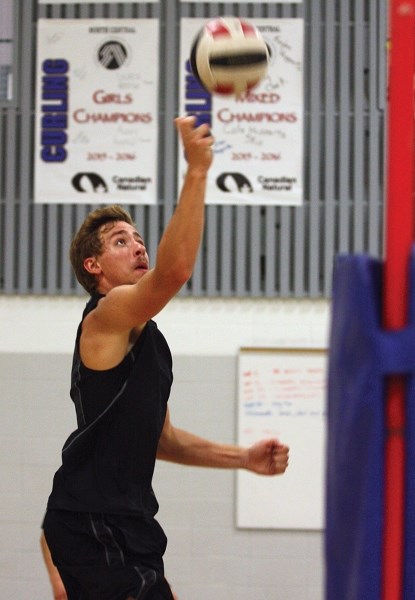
(108, 462)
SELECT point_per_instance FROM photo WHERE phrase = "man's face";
(124, 259)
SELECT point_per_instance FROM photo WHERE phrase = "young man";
(99, 525)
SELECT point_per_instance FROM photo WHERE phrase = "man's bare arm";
(126, 307)
(266, 457)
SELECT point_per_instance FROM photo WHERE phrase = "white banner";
(258, 138)
(96, 111)
(251, 1)
(105, 1)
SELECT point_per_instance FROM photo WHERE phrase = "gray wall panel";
(247, 251)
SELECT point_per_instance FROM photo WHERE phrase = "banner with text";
(258, 138)
(96, 111)
(105, 1)
(250, 1)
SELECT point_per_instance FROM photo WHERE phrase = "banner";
(105, 1)
(251, 1)
(96, 111)
(258, 138)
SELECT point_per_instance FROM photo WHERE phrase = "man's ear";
(92, 265)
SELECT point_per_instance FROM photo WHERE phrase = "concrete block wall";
(208, 557)
(34, 422)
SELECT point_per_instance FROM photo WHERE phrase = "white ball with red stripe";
(229, 56)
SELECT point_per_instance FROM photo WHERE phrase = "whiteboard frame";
(294, 500)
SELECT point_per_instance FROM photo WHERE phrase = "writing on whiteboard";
(283, 392)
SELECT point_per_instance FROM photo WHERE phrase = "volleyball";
(229, 56)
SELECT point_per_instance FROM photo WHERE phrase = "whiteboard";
(282, 393)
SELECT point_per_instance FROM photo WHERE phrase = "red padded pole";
(399, 239)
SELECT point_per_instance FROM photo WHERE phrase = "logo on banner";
(198, 101)
(234, 182)
(54, 109)
(89, 182)
(112, 55)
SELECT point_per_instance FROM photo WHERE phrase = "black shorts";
(107, 557)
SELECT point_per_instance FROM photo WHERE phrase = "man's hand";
(197, 143)
(58, 589)
(59, 592)
(267, 457)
